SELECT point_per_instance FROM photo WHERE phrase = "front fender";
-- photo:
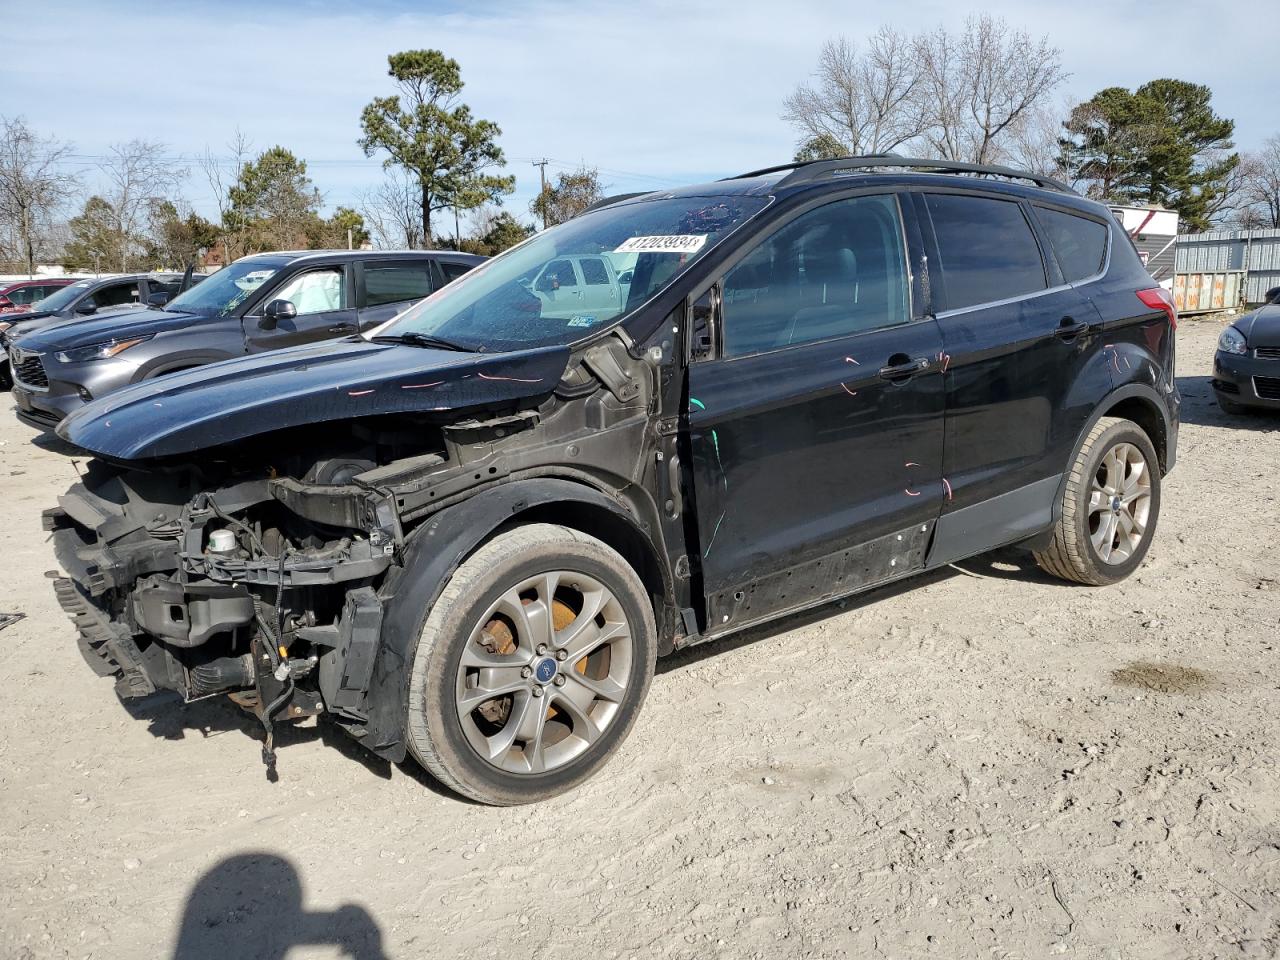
(432, 553)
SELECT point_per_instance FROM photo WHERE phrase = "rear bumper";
(1247, 380)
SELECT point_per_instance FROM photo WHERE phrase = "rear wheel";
(1110, 504)
(531, 666)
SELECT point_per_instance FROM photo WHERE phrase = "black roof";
(876, 170)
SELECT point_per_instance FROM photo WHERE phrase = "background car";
(88, 298)
(262, 302)
(23, 295)
(1246, 366)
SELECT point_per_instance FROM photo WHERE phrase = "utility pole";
(542, 170)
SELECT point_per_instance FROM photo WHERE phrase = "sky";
(652, 94)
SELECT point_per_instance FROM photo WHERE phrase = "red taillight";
(1158, 298)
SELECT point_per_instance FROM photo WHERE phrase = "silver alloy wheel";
(532, 696)
(1119, 503)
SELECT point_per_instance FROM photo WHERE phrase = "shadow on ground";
(1200, 407)
(250, 906)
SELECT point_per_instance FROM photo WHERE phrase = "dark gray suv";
(98, 297)
(258, 303)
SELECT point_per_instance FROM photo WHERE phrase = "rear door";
(1016, 342)
(386, 287)
(815, 424)
(324, 298)
(600, 292)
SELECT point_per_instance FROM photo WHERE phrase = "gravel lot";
(984, 763)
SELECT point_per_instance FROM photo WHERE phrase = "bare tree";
(137, 175)
(222, 175)
(979, 85)
(392, 212)
(1259, 200)
(859, 101)
(1033, 143)
(33, 189)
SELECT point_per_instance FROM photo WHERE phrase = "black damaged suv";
(468, 536)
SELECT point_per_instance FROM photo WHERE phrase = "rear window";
(987, 248)
(1080, 244)
(396, 282)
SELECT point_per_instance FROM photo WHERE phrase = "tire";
(494, 610)
(1230, 406)
(1089, 546)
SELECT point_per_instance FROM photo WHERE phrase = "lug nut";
(527, 672)
(562, 654)
(537, 691)
(560, 680)
(542, 648)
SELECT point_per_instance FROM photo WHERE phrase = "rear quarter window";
(1080, 244)
(987, 248)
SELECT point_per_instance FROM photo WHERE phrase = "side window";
(593, 271)
(557, 276)
(987, 249)
(396, 282)
(1080, 244)
(164, 286)
(116, 295)
(452, 271)
(832, 272)
(22, 296)
(316, 291)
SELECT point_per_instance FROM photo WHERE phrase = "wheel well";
(1144, 414)
(615, 531)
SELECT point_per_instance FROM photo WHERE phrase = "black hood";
(1262, 327)
(223, 402)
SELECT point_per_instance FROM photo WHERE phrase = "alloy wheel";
(544, 672)
(1119, 503)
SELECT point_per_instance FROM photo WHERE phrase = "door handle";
(900, 368)
(1070, 328)
(343, 328)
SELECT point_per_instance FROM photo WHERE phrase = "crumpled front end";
(227, 591)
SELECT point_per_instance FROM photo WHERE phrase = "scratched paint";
(852, 393)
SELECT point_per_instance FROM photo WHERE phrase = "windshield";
(576, 278)
(225, 290)
(64, 297)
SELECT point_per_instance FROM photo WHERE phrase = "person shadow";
(249, 906)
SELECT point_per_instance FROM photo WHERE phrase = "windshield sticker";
(671, 243)
(580, 320)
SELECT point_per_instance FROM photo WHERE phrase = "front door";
(325, 307)
(816, 432)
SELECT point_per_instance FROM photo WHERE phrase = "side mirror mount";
(86, 309)
(276, 311)
(158, 299)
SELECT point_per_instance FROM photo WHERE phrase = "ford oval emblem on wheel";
(545, 670)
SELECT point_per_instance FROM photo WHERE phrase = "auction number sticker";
(670, 243)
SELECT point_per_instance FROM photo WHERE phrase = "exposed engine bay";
(264, 569)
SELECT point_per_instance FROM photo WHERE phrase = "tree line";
(437, 156)
(984, 94)
(987, 94)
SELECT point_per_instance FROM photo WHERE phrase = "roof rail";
(805, 171)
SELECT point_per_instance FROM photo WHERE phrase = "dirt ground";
(983, 763)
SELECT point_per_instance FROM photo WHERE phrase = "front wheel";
(1110, 504)
(531, 666)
